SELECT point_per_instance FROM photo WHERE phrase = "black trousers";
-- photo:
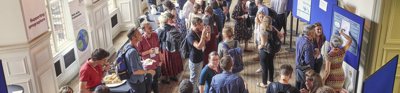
(154, 82)
(281, 21)
(318, 65)
(267, 65)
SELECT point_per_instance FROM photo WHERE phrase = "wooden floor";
(249, 75)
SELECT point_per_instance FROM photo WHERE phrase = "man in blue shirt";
(261, 7)
(139, 79)
(305, 54)
(227, 82)
(198, 37)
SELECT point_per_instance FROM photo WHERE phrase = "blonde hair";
(227, 32)
(266, 23)
(259, 20)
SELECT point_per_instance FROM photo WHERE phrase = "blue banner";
(3, 84)
(382, 81)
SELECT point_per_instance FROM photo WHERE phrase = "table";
(124, 88)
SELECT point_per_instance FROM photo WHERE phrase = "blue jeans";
(195, 69)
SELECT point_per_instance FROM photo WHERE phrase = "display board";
(322, 11)
(382, 81)
(302, 9)
(353, 26)
(3, 84)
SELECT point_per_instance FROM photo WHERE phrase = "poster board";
(322, 11)
(382, 81)
(353, 25)
(302, 9)
(3, 84)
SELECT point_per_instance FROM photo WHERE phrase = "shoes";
(174, 79)
(259, 70)
(262, 85)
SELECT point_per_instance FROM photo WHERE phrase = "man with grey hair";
(305, 54)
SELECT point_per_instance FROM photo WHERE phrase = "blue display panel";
(323, 14)
(382, 81)
(302, 9)
(3, 84)
(353, 26)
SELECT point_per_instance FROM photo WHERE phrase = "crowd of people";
(214, 48)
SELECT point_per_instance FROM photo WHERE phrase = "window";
(60, 38)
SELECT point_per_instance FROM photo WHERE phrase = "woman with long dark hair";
(318, 42)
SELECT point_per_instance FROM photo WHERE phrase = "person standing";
(280, 8)
(318, 42)
(334, 56)
(261, 7)
(197, 39)
(241, 31)
(227, 82)
(227, 34)
(266, 56)
(208, 72)
(283, 85)
(92, 71)
(173, 61)
(187, 8)
(305, 54)
(149, 49)
(209, 19)
(140, 78)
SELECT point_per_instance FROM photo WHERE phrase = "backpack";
(253, 9)
(184, 48)
(173, 40)
(236, 55)
(123, 70)
(272, 13)
(274, 43)
(279, 88)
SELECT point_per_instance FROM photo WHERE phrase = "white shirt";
(187, 8)
(279, 6)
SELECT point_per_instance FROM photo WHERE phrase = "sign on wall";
(35, 18)
(302, 9)
(79, 21)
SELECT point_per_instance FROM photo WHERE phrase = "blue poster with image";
(353, 26)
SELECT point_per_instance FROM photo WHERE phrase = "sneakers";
(259, 70)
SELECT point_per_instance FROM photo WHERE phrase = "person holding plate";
(149, 49)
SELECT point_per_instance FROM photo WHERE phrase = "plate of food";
(149, 64)
(113, 80)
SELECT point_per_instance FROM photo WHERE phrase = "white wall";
(12, 23)
(364, 8)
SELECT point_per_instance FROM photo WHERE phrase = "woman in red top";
(173, 61)
(149, 48)
(91, 72)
